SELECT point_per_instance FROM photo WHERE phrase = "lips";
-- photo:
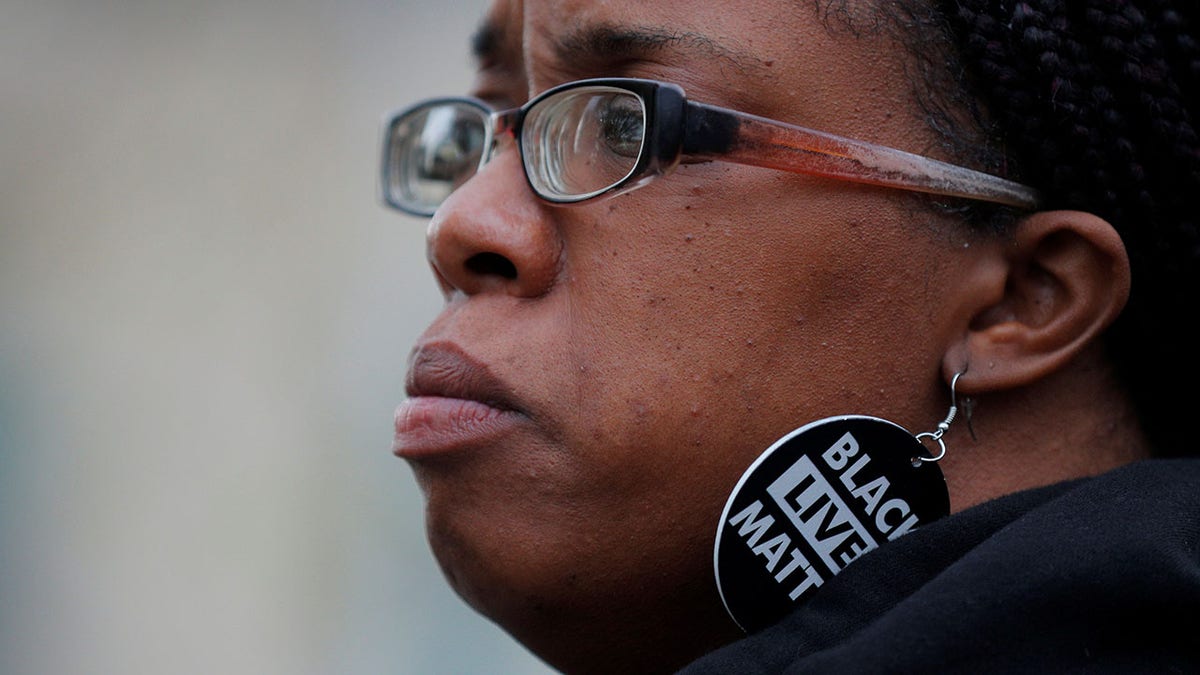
(454, 404)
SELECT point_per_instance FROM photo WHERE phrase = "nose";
(494, 235)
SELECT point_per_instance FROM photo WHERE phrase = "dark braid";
(1093, 102)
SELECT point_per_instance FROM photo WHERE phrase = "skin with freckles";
(646, 349)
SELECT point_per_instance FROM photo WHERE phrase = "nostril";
(491, 264)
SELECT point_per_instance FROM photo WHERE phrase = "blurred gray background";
(205, 317)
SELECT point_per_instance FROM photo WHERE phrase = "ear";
(1061, 280)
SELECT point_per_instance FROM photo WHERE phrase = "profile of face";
(602, 373)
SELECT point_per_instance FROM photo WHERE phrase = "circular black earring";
(815, 501)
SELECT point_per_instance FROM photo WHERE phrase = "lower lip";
(433, 425)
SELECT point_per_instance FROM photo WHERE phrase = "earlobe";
(1066, 278)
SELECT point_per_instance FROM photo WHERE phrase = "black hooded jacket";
(1099, 575)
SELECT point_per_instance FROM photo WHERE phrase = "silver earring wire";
(936, 436)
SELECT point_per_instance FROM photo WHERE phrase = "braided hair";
(1093, 102)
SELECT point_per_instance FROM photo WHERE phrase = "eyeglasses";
(602, 137)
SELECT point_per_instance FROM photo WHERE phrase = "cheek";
(678, 342)
(718, 333)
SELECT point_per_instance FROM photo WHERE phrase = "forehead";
(735, 22)
(557, 32)
(770, 56)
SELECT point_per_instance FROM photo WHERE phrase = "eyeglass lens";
(433, 150)
(581, 142)
(575, 144)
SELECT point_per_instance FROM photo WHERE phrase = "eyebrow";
(614, 43)
(486, 43)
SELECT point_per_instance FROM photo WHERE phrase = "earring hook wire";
(936, 436)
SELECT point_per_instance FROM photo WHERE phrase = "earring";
(815, 501)
(936, 436)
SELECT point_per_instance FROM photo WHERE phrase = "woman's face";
(602, 374)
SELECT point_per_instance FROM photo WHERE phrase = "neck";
(1074, 423)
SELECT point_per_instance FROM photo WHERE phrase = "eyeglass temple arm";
(731, 136)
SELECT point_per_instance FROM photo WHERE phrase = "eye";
(622, 124)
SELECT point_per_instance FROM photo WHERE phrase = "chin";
(580, 601)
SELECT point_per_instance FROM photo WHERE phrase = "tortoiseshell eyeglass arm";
(717, 133)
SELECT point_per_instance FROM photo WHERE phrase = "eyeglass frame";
(676, 128)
